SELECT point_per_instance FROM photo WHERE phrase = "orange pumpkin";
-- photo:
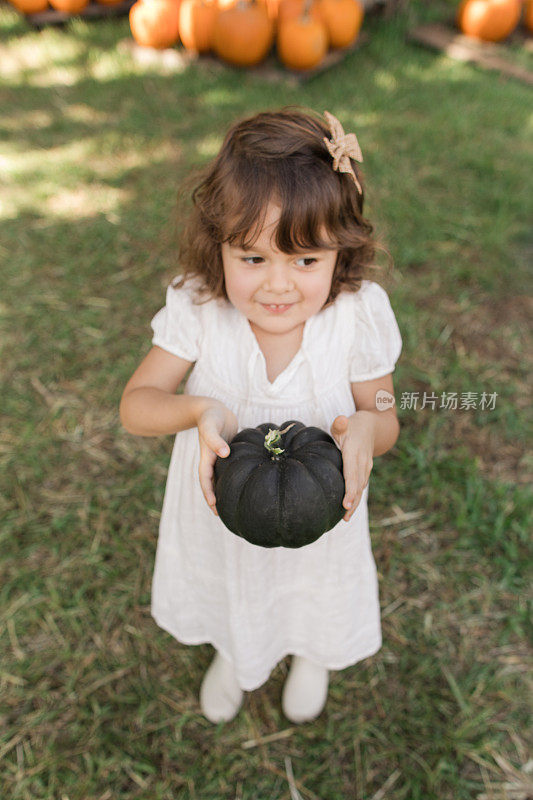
(292, 9)
(528, 15)
(69, 6)
(243, 34)
(197, 22)
(30, 6)
(155, 23)
(489, 20)
(343, 19)
(272, 8)
(302, 42)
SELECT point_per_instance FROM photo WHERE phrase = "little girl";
(275, 315)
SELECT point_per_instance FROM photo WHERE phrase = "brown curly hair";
(277, 156)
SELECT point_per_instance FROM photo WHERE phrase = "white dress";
(256, 605)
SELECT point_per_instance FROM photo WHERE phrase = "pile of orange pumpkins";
(493, 20)
(66, 6)
(242, 32)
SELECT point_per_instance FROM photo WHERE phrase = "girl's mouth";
(276, 308)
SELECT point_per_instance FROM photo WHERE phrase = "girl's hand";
(216, 426)
(355, 436)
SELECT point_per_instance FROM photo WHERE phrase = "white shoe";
(305, 691)
(220, 694)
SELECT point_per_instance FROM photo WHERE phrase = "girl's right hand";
(217, 425)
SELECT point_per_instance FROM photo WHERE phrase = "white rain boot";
(305, 691)
(220, 694)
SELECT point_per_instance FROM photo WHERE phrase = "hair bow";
(342, 146)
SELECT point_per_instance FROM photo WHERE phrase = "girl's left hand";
(355, 437)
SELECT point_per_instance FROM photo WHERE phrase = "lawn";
(98, 703)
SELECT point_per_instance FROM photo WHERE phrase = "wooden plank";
(465, 48)
(176, 59)
(273, 70)
(91, 12)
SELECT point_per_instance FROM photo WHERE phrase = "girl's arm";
(150, 407)
(367, 433)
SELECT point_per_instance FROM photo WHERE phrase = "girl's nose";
(278, 278)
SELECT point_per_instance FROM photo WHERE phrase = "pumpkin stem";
(273, 438)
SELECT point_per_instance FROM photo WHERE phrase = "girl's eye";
(253, 259)
(306, 261)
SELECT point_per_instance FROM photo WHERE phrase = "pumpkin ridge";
(294, 430)
(284, 498)
(323, 449)
(306, 435)
(229, 489)
(281, 501)
(248, 435)
(320, 465)
(265, 537)
(281, 493)
(315, 479)
(240, 449)
(238, 452)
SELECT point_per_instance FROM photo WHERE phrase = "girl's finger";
(353, 506)
(351, 496)
(214, 440)
(352, 482)
(357, 473)
(351, 488)
(355, 486)
(205, 473)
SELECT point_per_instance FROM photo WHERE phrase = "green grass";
(97, 703)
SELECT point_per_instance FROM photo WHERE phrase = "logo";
(384, 400)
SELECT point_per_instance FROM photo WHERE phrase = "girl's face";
(277, 292)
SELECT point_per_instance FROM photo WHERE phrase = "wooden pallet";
(91, 12)
(446, 39)
(98, 11)
(177, 59)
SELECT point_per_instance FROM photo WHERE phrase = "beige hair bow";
(342, 146)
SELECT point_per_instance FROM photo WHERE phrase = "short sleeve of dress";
(377, 342)
(176, 326)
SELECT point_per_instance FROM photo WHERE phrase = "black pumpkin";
(280, 487)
